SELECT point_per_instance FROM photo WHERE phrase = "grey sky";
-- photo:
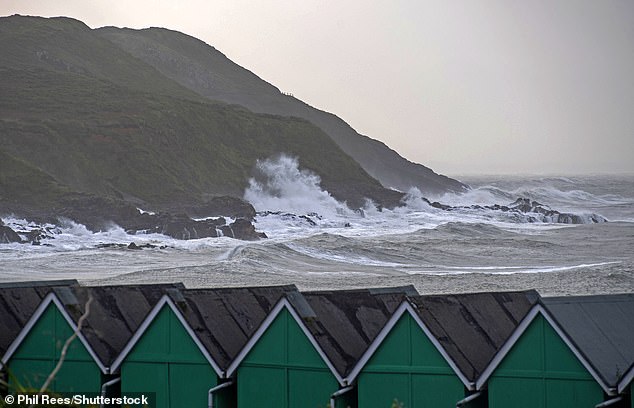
(487, 86)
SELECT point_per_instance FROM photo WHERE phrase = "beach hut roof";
(601, 327)
(115, 314)
(224, 319)
(346, 322)
(339, 324)
(18, 301)
(466, 329)
(220, 321)
(472, 327)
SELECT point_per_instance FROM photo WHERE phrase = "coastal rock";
(7, 235)
(183, 227)
(245, 230)
(542, 213)
(307, 219)
(101, 214)
(527, 210)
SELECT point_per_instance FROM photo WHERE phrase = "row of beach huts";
(278, 347)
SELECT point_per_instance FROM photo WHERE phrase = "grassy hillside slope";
(203, 69)
(98, 120)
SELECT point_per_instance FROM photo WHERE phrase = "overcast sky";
(487, 86)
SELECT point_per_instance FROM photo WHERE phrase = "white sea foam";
(280, 185)
(413, 239)
(504, 270)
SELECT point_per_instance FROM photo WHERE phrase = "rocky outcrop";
(530, 211)
(223, 205)
(101, 214)
(542, 213)
(7, 235)
(244, 229)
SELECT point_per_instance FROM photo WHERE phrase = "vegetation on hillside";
(79, 114)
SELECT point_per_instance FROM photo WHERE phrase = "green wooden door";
(167, 362)
(541, 371)
(408, 368)
(39, 353)
(283, 370)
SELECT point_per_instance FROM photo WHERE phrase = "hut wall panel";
(146, 377)
(408, 368)
(263, 387)
(542, 372)
(187, 379)
(166, 361)
(283, 370)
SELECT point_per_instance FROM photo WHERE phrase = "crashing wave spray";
(279, 185)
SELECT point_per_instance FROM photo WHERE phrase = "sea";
(318, 243)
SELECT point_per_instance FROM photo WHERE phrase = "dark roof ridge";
(613, 297)
(290, 287)
(409, 290)
(40, 283)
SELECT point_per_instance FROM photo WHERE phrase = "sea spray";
(280, 185)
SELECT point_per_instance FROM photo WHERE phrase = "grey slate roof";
(224, 319)
(115, 313)
(345, 322)
(602, 329)
(18, 301)
(473, 327)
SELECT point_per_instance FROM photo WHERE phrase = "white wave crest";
(280, 185)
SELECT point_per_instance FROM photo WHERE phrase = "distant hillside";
(203, 69)
(79, 114)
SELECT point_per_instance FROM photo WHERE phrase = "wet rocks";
(527, 210)
(102, 214)
(542, 213)
(302, 219)
(99, 214)
(7, 235)
(245, 230)
(132, 245)
(225, 205)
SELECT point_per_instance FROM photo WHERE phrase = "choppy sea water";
(334, 247)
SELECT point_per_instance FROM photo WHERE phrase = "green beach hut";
(434, 348)
(18, 302)
(115, 312)
(568, 352)
(309, 343)
(183, 348)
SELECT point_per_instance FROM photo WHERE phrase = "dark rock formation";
(224, 205)
(307, 218)
(182, 227)
(7, 235)
(532, 210)
(101, 214)
(245, 230)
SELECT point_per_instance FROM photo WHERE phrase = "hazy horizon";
(497, 87)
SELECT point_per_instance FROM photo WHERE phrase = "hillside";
(203, 69)
(87, 117)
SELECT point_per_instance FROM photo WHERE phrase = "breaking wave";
(280, 185)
